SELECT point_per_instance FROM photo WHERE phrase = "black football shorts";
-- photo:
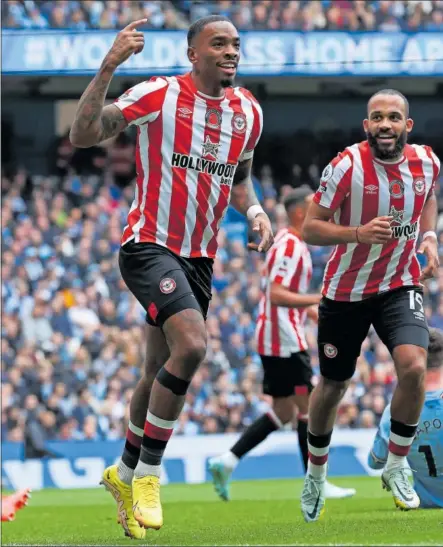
(286, 376)
(165, 283)
(398, 318)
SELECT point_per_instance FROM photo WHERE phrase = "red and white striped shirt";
(188, 148)
(358, 188)
(280, 331)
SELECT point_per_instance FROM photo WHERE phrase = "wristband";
(430, 233)
(253, 211)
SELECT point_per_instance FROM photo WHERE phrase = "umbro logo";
(184, 112)
(371, 189)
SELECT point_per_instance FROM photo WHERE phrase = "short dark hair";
(296, 196)
(199, 25)
(435, 349)
(392, 92)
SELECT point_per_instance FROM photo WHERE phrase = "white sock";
(144, 469)
(317, 471)
(229, 460)
(395, 461)
(124, 472)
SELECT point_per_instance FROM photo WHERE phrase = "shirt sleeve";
(256, 132)
(285, 264)
(335, 182)
(379, 452)
(435, 167)
(143, 102)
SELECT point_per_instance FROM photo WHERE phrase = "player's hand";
(429, 248)
(312, 313)
(127, 42)
(262, 225)
(377, 231)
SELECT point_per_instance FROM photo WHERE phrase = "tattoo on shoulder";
(112, 122)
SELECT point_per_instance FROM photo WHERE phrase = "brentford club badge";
(213, 118)
(419, 186)
(330, 351)
(167, 285)
(239, 122)
(397, 188)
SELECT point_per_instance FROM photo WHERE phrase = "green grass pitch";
(261, 513)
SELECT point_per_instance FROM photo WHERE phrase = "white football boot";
(397, 482)
(313, 498)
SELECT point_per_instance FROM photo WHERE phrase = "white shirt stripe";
(198, 134)
(143, 141)
(133, 207)
(168, 137)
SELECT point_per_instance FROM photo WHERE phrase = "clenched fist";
(127, 42)
(377, 231)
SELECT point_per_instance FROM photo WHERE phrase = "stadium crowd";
(306, 15)
(72, 335)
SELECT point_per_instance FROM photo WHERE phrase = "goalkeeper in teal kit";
(426, 455)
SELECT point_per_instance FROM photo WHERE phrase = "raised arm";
(244, 199)
(93, 122)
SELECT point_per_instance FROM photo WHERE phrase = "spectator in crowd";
(39, 429)
(71, 341)
(309, 15)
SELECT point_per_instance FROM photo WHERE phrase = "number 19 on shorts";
(416, 304)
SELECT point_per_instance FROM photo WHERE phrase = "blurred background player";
(425, 457)
(372, 201)
(196, 137)
(282, 345)
(12, 503)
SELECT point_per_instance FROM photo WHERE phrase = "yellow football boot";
(147, 507)
(122, 493)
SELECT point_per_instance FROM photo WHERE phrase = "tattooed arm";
(93, 122)
(243, 197)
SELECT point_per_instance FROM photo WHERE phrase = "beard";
(227, 82)
(387, 153)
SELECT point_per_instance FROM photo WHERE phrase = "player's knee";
(189, 355)
(149, 373)
(152, 365)
(333, 390)
(411, 372)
